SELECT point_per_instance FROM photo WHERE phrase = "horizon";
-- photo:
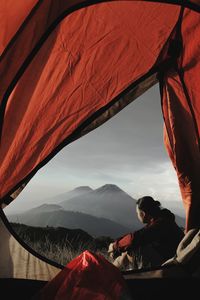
(173, 205)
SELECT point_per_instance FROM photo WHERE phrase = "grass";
(62, 254)
(66, 250)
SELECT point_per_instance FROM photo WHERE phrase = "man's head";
(147, 209)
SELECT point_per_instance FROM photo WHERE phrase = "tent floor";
(140, 289)
(22, 289)
(164, 288)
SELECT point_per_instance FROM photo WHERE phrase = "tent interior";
(58, 83)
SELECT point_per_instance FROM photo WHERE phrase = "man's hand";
(111, 250)
(121, 261)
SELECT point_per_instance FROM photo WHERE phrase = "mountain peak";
(83, 188)
(109, 188)
(46, 207)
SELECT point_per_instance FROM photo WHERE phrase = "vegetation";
(60, 244)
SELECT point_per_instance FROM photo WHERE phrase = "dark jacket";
(162, 233)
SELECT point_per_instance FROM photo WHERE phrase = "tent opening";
(85, 197)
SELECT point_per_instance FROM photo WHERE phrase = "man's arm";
(123, 243)
(140, 237)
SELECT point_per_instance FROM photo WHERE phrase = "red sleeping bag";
(88, 276)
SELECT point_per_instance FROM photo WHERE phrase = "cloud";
(161, 183)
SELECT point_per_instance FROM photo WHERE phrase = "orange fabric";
(12, 15)
(21, 9)
(182, 118)
(43, 17)
(84, 279)
(72, 77)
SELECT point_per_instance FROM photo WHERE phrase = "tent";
(66, 67)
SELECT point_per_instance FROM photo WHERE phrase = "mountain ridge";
(108, 202)
(70, 220)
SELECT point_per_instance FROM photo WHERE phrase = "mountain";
(108, 201)
(81, 190)
(57, 235)
(180, 221)
(45, 208)
(111, 202)
(45, 215)
(107, 211)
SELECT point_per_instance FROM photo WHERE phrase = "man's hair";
(149, 205)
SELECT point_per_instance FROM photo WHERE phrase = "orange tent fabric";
(17, 13)
(181, 107)
(71, 80)
(58, 81)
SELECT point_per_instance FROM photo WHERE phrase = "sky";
(127, 150)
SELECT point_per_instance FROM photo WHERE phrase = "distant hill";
(59, 235)
(60, 244)
(45, 208)
(106, 211)
(180, 221)
(81, 190)
(108, 201)
(51, 215)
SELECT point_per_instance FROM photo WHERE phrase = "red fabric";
(182, 118)
(29, 36)
(125, 242)
(88, 277)
(12, 15)
(72, 76)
